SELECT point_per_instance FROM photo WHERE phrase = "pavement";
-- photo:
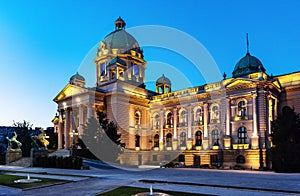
(215, 182)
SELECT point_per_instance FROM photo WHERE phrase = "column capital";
(254, 94)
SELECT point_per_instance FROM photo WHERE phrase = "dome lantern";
(120, 23)
(77, 80)
(163, 85)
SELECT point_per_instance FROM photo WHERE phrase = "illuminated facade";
(223, 123)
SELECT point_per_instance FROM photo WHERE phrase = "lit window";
(242, 135)
(215, 112)
(156, 121)
(242, 108)
(198, 116)
(198, 137)
(183, 139)
(169, 140)
(215, 137)
(170, 119)
(156, 140)
(137, 118)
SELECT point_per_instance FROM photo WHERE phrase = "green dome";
(247, 65)
(119, 38)
(77, 76)
(163, 80)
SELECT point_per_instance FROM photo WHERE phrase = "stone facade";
(226, 123)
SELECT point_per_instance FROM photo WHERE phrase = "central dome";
(119, 38)
(247, 65)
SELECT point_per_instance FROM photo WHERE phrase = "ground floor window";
(156, 140)
(240, 159)
(169, 140)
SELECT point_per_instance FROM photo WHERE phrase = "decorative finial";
(247, 41)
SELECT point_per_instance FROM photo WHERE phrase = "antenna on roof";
(247, 42)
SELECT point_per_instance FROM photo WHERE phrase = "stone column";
(189, 123)
(67, 128)
(175, 123)
(205, 140)
(227, 138)
(89, 111)
(161, 135)
(270, 116)
(80, 128)
(254, 139)
(205, 120)
(228, 115)
(60, 129)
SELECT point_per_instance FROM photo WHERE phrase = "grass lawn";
(8, 180)
(128, 191)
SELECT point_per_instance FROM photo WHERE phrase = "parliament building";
(226, 123)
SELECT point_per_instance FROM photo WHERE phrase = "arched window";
(242, 108)
(198, 116)
(169, 140)
(215, 137)
(137, 118)
(170, 119)
(137, 140)
(156, 121)
(198, 137)
(183, 139)
(103, 69)
(242, 135)
(183, 118)
(156, 140)
(214, 113)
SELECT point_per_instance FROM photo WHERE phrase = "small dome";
(77, 76)
(247, 65)
(120, 39)
(163, 80)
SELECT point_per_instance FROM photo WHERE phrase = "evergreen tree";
(286, 141)
(23, 130)
(102, 138)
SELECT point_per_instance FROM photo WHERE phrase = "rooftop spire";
(247, 42)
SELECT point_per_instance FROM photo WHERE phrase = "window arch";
(170, 119)
(240, 159)
(198, 137)
(183, 118)
(214, 112)
(198, 116)
(215, 137)
(169, 139)
(137, 118)
(242, 135)
(156, 121)
(182, 139)
(242, 108)
(156, 140)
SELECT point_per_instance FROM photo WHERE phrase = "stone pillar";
(254, 139)
(189, 123)
(60, 129)
(81, 122)
(175, 123)
(270, 116)
(161, 135)
(228, 115)
(205, 140)
(89, 111)
(67, 128)
(205, 120)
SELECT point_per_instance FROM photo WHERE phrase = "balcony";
(169, 126)
(240, 146)
(239, 118)
(197, 123)
(184, 124)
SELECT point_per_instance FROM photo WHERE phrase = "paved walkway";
(95, 181)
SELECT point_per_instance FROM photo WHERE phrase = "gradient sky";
(43, 43)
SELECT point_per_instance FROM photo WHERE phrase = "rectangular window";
(154, 157)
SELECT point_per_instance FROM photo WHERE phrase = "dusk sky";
(43, 43)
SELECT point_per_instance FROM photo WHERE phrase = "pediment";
(69, 91)
(239, 82)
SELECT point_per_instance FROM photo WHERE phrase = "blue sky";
(43, 43)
